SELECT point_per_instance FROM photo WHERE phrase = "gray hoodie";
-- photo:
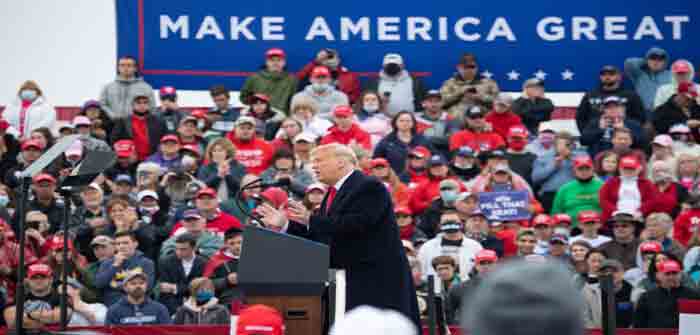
(116, 97)
(326, 102)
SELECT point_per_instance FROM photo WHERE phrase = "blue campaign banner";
(505, 206)
(195, 44)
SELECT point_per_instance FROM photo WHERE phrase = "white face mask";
(371, 108)
(320, 87)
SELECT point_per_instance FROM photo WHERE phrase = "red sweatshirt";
(477, 141)
(354, 135)
(255, 155)
(501, 122)
(610, 190)
(426, 192)
(684, 225)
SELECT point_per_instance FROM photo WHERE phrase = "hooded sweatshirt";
(402, 95)
(150, 312)
(116, 97)
(211, 313)
(666, 91)
(255, 155)
(110, 278)
(326, 102)
(354, 135)
(278, 86)
(646, 82)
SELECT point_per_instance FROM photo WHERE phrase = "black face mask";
(141, 114)
(466, 172)
(392, 69)
(451, 226)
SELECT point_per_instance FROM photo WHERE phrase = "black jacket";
(156, 130)
(592, 104)
(669, 114)
(361, 230)
(533, 112)
(658, 307)
(225, 291)
(53, 211)
(522, 164)
(170, 271)
(430, 220)
(457, 295)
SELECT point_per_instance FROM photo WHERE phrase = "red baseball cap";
(486, 255)
(542, 219)
(588, 216)
(680, 67)
(668, 266)
(561, 218)
(166, 91)
(39, 269)
(379, 162)
(687, 88)
(260, 320)
(43, 177)
(259, 96)
(32, 144)
(206, 191)
(171, 138)
(583, 160)
(517, 131)
(420, 152)
(650, 246)
(275, 52)
(320, 71)
(277, 196)
(629, 162)
(199, 113)
(343, 111)
(124, 148)
(403, 210)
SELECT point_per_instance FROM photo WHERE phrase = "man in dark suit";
(142, 126)
(178, 270)
(356, 220)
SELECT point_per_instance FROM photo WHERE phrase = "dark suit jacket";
(171, 271)
(156, 129)
(361, 230)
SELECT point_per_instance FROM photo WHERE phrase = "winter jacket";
(658, 307)
(224, 289)
(171, 118)
(666, 91)
(209, 174)
(123, 313)
(609, 193)
(110, 278)
(481, 141)
(595, 138)
(452, 91)
(550, 177)
(353, 136)
(591, 106)
(326, 102)
(211, 313)
(669, 114)
(299, 181)
(345, 81)
(255, 155)
(576, 196)
(684, 225)
(118, 96)
(396, 151)
(155, 127)
(278, 86)
(207, 244)
(38, 114)
(625, 253)
(406, 91)
(646, 82)
(533, 112)
(464, 255)
(501, 122)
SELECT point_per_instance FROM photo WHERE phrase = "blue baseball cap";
(124, 178)
(465, 151)
(437, 160)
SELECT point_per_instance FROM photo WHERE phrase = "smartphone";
(387, 94)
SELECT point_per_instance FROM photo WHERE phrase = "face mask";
(661, 176)
(319, 87)
(204, 296)
(517, 145)
(450, 227)
(547, 139)
(149, 210)
(141, 113)
(371, 108)
(4, 200)
(392, 69)
(29, 95)
(448, 195)
(465, 166)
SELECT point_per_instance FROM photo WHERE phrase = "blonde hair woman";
(221, 171)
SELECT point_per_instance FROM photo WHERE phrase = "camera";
(387, 94)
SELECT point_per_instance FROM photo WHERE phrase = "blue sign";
(505, 206)
(195, 44)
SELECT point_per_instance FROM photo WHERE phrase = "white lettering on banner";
(168, 26)
(209, 27)
(272, 28)
(347, 27)
(241, 28)
(420, 28)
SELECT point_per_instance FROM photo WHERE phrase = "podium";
(288, 273)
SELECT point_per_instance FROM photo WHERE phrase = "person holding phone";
(467, 88)
(344, 80)
(401, 91)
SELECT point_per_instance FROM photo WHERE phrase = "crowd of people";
(156, 238)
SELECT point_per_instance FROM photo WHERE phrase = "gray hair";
(661, 218)
(150, 167)
(341, 151)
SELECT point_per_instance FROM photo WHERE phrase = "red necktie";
(331, 195)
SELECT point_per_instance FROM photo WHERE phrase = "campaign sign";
(505, 206)
(195, 44)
